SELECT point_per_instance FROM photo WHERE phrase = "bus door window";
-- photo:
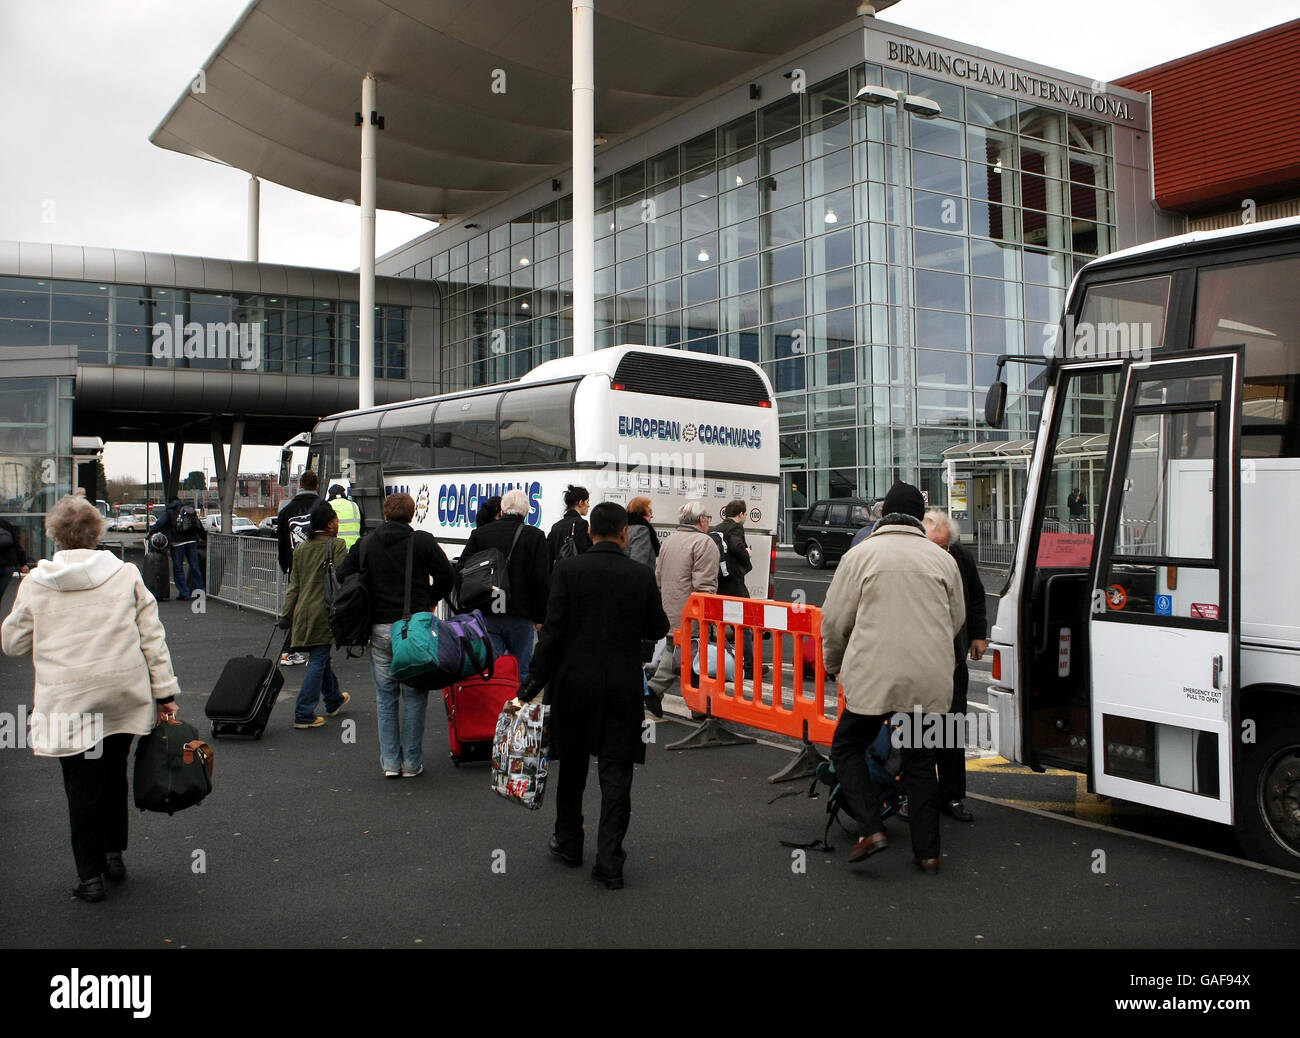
(1167, 505)
(1056, 660)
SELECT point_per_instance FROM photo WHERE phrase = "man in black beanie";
(891, 614)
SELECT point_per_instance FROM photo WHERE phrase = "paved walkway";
(305, 844)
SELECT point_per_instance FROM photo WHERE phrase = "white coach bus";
(625, 422)
(1151, 637)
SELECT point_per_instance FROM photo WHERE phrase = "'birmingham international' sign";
(1096, 100)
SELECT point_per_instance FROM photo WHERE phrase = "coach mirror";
(995, 403)
(286, 456)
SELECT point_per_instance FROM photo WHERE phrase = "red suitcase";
(473, 707)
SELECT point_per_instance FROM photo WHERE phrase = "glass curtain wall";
(777, 238)
(113, 324)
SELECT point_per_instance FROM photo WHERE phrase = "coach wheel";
(816, 557)
(258, 735)
(1268, 815)
(213, 730)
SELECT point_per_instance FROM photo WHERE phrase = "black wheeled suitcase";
(156, 577)
(241, 700)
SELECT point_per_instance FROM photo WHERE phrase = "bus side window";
(1256, 304)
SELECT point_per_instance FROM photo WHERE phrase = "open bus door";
(1165, 611)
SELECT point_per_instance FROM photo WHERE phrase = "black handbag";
(484, 579)
(347, 605)
(173, 768)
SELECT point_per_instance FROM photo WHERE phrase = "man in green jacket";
(305, 611)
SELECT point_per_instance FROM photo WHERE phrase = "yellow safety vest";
(349, 520)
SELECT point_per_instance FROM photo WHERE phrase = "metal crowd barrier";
(244, 571)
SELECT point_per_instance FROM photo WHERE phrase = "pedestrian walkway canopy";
(276, 99)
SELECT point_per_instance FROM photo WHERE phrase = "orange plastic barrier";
(719, 621)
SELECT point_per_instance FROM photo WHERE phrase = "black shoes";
(930, 866)
(654, 703)
(560, 854)
(611, 881)
(956, 809)
(114, 867)
(90, 890)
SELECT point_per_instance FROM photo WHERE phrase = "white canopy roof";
(278, 95)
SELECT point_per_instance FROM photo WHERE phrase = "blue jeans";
(513, 635)
(181, 554)
(400, 745)
(318, 680)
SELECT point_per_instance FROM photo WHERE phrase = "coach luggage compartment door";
(1164, 617)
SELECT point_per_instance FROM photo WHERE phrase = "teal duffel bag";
(429, 653)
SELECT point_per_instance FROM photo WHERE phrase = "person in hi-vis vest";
(349, 513)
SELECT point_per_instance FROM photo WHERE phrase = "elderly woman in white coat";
(103, 675)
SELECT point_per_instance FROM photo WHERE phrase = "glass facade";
(782, 238)
(115, 324)
(36, 465)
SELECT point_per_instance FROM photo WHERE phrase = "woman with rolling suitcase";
(307, 616)
(88, 706)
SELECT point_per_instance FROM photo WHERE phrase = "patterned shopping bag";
(521, 752)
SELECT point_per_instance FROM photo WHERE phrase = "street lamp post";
(905, 104)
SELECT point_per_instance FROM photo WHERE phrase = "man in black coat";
(512, 628)
(297, 507)
(735, 563)
(12, 558)
(602, 606)
(972, 638)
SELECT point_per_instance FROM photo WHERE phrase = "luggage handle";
(283, 649)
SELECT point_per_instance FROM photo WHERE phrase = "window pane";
(465, 433)
(536, 426)
(1257, 304)
(404, 438)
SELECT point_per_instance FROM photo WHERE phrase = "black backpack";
(299, 529)
(483, 577)
(187, 519)
(173, 768)
(348, 604)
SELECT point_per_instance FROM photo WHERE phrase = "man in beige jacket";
(688, 562)
(888, 625)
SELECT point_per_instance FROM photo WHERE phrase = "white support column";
(254, 217)
(584, 177)
(366, 305)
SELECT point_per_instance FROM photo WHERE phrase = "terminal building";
(871, 213)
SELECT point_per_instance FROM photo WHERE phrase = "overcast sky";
(86, 81)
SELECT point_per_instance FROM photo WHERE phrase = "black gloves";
(528, 690)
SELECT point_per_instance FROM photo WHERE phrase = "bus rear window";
(1257, 304)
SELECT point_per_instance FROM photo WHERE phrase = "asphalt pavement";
(304, 844)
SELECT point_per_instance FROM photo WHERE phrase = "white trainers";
(413, 774)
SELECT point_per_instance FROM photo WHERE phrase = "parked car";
(824, 533)
(132, 522)
(238, 524)
(269, 523)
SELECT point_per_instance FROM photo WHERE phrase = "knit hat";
(322, 514)
(904, 498)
